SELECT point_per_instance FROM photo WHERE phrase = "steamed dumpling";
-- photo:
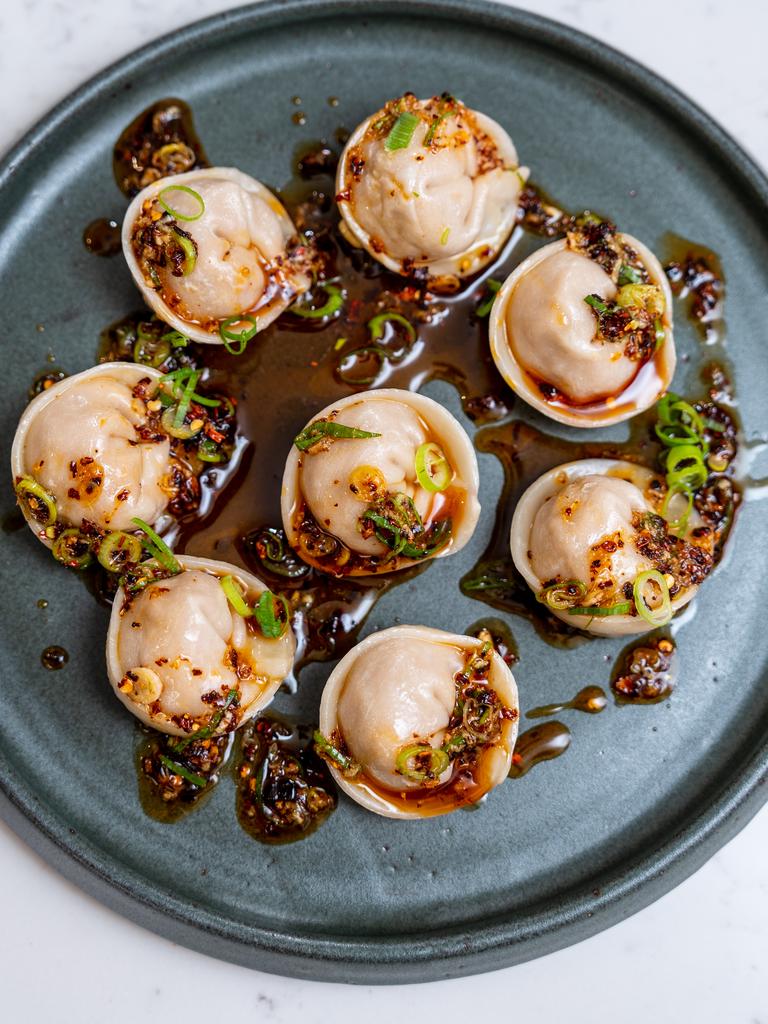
(552, 329)
(586, 533)
(326, 475)
(82, 442)
(178, 647)
(211, 245)
(380, 710)
(445, 200)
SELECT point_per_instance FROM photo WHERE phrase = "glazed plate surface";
(645, 794)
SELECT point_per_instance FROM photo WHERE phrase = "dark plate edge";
(484, 946)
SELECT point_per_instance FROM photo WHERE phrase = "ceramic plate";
(644, 795)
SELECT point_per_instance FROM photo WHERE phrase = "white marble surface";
(699, 954)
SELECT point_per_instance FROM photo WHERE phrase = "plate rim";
(444, 953)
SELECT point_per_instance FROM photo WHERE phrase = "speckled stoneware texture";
(644, 795)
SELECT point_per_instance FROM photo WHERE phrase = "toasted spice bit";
(645, 675)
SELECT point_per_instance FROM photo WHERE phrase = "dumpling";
(589, 540)
(379, 481)
(416, 722)
(180, 650)
(83, 452)
(429, 184)
(214, 254)
(582, 329)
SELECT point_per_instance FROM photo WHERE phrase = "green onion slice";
(659, 334)
(175, 213)
(409, 759)
(150, 351)
(182, 432)
(376, 325)
(332, 305)
(492, 287)
(660, 615)
(401, 132)
(183, 771)
(190, 252)
(327, 428)
(601, 611)
(37, 502)
(432, 467)
(629, 275)
(72, 549)
(325, 748)
(209, 451)
(596, 303)
(273, 615)
(560, 597)
(157, 547)
(679, 524)
(119, 549)
(685, 466)
(235, 596)
(236, 341)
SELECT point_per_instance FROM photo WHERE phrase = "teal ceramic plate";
(644, 795)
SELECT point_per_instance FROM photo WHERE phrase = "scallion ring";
(235, 341)
(678, 525)
(184, 431)
(151, 351)
(562, 596)
(175, 213)
(209, 451)
(272, 615)
(434, 759)
(377, 323)
(330, 307)
(660, 615)
(39, 504)
(401, 132)
(326, 749)
(119, 549)
(433, 469)
(72, 549)
(157, 547)
(685, 467)
(235, 596)
(190, 252)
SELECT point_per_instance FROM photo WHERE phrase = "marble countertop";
(700, 953)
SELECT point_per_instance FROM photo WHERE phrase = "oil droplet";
(54, 658)
(299, 117)
(542, 743)
(333, 101)
(41, 328)
(296, 101)
(42, 603)
(102, 237)
(591, 700)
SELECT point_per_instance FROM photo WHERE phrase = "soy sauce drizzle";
(102, 237)
(542, 743)
(696, 275)
(172, 784)
(590, 699)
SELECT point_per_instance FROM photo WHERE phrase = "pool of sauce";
(590, 699)
(54, 658)
(167, 795)
(645, 671)
(541, 743)
(102, 237)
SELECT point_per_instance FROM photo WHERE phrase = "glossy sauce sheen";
(297, 366)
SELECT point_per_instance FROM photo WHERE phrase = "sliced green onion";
(175, 338)
(39, 504)
(324, 747)
(235, 596)
(673, 434)
(654, 616)
(401, 132)
(492, 286)
(185, 773)
(601, 611)
(268, 616)
(596, 303)
(432, 468)
(209, 451)
(235, 341)
(376, 325)
(157, 547)
(679, 524)
(190, 252)
(560, 597)
(182, 432)
(233, 697)
(175, 213)
(320, 429)
(331, 306)
(444, 236)
(150, 351)
(119, 549)
(72, 549)
(685, 466)
(436, 122)
(629, 275)
(409, 757)
(186, 398)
